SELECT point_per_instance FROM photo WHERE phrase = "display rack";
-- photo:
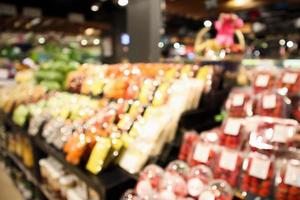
(109, 184)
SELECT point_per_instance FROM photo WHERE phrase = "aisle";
(7, 190)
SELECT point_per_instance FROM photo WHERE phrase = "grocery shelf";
(26, 171)
(104, 184)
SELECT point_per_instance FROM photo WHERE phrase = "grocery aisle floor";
(8, 191)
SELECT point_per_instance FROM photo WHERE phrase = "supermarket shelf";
(104, 184)
(47, 193)
(27, 172)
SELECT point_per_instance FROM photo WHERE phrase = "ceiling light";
(207, 23)
(95, 8)
(282, 42)
(176, 45)
(96, 41)
(122, 2)
(84, 42)
(290, 44)
(161, 44)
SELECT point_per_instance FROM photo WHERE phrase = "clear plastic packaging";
(149, 181)
(259, 174)
(272, 133)
(198, 179)
(188, 140)
(239, 103)
(289, 82)
(263, 80)
(231, 134)
(272, 104)
(287, 181)
(203, 153)
(217, 190)
(229, 166)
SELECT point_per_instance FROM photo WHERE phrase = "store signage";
(32, 12)
(7, 9)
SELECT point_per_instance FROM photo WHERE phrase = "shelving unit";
(109, 184)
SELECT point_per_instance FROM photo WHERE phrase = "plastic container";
(231, 134)
(203, 153)
(198, 179)
(259, 175)
(239, 103)
(287, 181)
(289, 82)
(229, 166)
(272, 133)
(263, 80)
(187, 144)
(272, 104)
(149, 181)
(217, 190)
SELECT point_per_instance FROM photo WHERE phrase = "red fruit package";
(198, 179)
(231, 134)
(259, 175)
(149, 181)
(188, 140)
(272, 104)
(228, 166)
(217, 190)
(289, 82)
(202, 153)
(272, 133)
(296, 108)
(263, 80)
(287, 181)
(239, 104)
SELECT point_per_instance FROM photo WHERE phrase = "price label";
(262, 80)
(228, 160)
(269, 101)
(4, 73)
(292, 175)
(201, 153)
(232, 127)
(260, 168)
(282, 133)
(195, 186)
(238, 100)
(290, 78)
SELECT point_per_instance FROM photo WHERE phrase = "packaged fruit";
(149, 181)
(289, 82)
(231, 134)
(229, 166)
(259, 174)
(272, 104)
(263, 80)
(217, 190)
(198, 179)
(130, 195)
(296, 108)
(202, 153)
(272, 133)
(178, 167)
(173, 185)
(287, 181)
(239, 103)
(187, 144)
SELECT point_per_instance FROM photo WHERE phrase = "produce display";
(287, 183)
(178, 181)
(130, 106)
